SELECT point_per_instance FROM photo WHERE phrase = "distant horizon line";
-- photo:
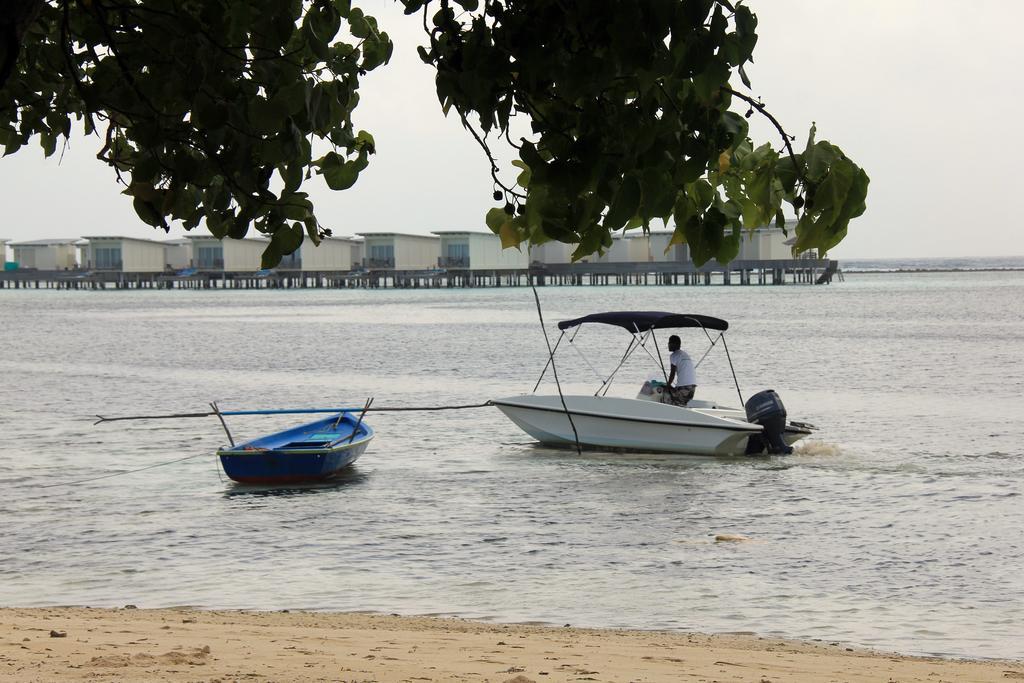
(900, 258)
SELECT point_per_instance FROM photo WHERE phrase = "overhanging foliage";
(210, 112)
(209, 109)
(629, 107)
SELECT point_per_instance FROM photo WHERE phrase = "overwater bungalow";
(234, 256)
(551, 253)
(178, 253)
(478, 250)
(332, 255)
(123, 254)
(49, 254)
(400, 251)
(768, 243)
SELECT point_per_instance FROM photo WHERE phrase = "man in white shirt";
(682, 373)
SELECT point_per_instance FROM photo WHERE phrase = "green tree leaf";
(496, 218)
(625, 204)
(509, 234)
(148, 212)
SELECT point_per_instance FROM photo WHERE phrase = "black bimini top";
(641, 321)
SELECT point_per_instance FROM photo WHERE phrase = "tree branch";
(786, 137)
(490, 157)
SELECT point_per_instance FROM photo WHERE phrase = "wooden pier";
(739, 272)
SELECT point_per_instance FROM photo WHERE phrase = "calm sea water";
(899, 527)
(946, 263)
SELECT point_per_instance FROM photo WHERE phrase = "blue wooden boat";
(311, 452)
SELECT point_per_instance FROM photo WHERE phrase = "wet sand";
(80, 644)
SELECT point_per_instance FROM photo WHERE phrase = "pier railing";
(453, 262)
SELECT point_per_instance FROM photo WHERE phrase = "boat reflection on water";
(351, 477)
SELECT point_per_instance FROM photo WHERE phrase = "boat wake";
(817, 448)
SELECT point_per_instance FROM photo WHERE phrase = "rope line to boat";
(554, 370)
(120, 474)
(219, 413)
(551, 354)
(572, 338)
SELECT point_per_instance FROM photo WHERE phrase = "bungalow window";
(108, 258)
(382, 255)
(210, 257)
(458, 252)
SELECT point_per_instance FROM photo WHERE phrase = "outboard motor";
(765, 408)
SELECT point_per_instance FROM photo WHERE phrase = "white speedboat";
(646, 423)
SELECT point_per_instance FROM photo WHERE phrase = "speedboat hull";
(311, 452)
(703, 428)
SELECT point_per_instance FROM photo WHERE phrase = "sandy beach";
(79, 644)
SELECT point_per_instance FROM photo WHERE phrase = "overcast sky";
(924, 94)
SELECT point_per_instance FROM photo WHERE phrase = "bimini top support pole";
(735, 381)
(661, 361)
(708, 350)
(634, 341)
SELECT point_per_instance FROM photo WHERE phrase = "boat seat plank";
(320, 440)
